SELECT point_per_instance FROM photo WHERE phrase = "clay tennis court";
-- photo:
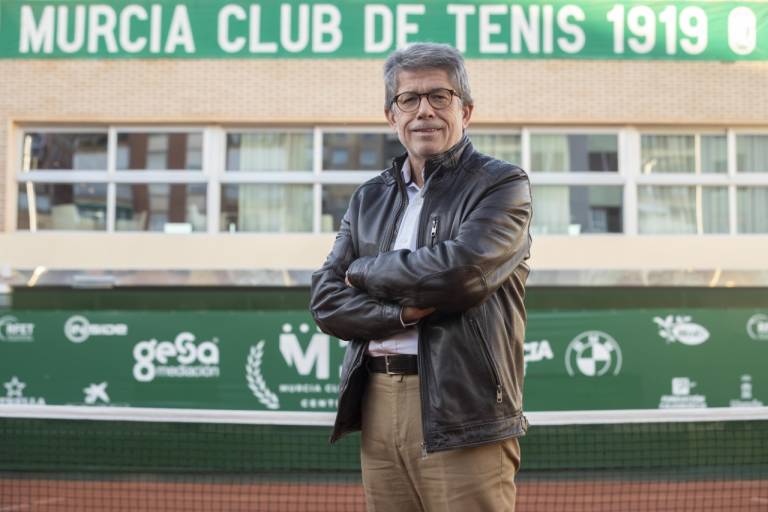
(17, 495)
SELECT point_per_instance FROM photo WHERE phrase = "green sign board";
(280, 362)
(523, 29)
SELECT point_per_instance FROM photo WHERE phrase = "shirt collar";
(407, 175)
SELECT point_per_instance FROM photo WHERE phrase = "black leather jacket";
(473, 241)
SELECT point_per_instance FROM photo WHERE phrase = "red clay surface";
(562, 496)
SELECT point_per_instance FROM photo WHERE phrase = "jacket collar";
(448, 161)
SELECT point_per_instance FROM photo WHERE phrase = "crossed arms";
(451, 276)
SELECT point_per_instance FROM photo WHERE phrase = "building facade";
(191, 161)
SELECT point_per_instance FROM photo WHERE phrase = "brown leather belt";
(400, 364)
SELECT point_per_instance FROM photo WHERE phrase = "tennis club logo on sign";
(593, 354)
(746, 399)
(306, 375)
(181, 358)
(535, 351)
(757, 327)
(681, 397)
(77, 329)
(680, 328)
(14, 394)
(12, 330)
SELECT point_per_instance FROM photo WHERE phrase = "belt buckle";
(386, 366)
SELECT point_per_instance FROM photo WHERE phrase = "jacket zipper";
(433, 231)
(489, 359)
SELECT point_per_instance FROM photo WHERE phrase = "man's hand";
(411, 314)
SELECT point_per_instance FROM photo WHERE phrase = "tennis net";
(75, 459)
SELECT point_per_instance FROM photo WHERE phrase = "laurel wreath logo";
(256, 380)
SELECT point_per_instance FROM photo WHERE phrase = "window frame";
(214, 173)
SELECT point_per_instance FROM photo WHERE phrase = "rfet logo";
(757, 327)
(680, 328)
(77, 329)
(13, 330)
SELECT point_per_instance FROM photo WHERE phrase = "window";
(267, 151)
(752, 153)
(169, 207)
(210, 179)
(360, 151)
(683, 209)
(62, 206)
(691, 154)
(266, 208)
(574, 209)
(556, 152)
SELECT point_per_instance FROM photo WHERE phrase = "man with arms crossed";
(426, 279)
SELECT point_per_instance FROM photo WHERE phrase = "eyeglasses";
(438, 98)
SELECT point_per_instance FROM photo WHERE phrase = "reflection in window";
(752, 153)
(160, 151)
(62, 206)
(575, 209)
(677, 154)
(65, 151)
(574, 153)
(335, 203)
(266, 208)
(503, 147)
(178, 208)
(360, 151)
(753, 209)
(682, 209)
(269, 151)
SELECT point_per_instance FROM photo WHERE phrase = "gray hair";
(426, 56)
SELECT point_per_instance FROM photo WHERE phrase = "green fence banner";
(525, 29)
(279, 361)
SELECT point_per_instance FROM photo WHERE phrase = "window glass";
(62, 206)
(752, 209)
(682, 209)
(64, 151)
(159, 151)
(714, 154)
(335, 203)
(502, 146)
(677, 154)
(752, 153)
(575, 209)
(177, 208)
(266, 208)
(269, 151)
(360, 151)
(552, 152)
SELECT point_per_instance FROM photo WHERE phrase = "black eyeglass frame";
(421, 95)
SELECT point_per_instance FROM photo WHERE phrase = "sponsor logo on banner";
(96, 394)
(535, 351)
(681, 397)
(757, 327)
(14, 394)
(183, 357)
(746, 399)
(681, 329)
(14, 331)
(309, 356)
(77, 329)
(594, 354)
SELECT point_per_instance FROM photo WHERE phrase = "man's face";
(427, 131)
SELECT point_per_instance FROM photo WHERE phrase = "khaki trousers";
(398, 477)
